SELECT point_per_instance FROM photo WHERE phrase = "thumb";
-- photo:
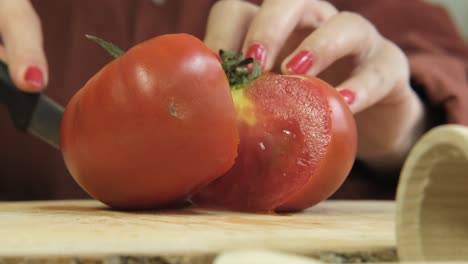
(23, 51)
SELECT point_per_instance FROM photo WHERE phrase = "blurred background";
(459, 11)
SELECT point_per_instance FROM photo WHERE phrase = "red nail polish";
(258, 52)
(301, 63)
(348, 95)
(34, 77)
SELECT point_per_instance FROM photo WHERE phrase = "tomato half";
(153, 126)
(297, 145)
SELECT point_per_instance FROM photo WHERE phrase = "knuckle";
(357, 21)
(325, 12)
(327, 48)
(351, 16)
(221, 5)
(231, 6)
(318, 12)
(398, 58)
(276, 2)
(328, 8)
(264, 36)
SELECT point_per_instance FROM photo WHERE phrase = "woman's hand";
(22, 47)
(311, 37)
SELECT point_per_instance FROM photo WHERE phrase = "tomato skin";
(153, 126)
(297, 145)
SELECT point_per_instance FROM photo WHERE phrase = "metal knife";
(32, 113)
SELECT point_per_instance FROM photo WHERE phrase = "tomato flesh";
(285, 132)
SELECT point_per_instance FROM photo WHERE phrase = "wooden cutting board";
(88, 228)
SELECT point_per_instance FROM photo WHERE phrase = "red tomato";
(153, 126)
(297, 145)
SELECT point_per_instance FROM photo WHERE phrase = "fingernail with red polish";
(301, 63)
(258, 52)
(34, 77)
(348, 95)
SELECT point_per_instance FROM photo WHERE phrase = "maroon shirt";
(30, 169)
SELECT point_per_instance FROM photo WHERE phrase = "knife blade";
(33, 113)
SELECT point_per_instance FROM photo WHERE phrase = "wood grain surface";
(88, 228)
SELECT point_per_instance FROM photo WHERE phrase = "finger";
(375, 78)
(274, 23)
(22, 37)
(335, 39)
(227, 24)
(316, 12)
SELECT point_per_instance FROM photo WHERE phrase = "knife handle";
(20, 104)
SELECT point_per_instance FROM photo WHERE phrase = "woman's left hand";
(311, 37)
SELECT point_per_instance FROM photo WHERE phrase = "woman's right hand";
(308, 36)
(22, 45)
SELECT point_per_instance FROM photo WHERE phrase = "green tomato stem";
(238, 70)
(113, 50)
